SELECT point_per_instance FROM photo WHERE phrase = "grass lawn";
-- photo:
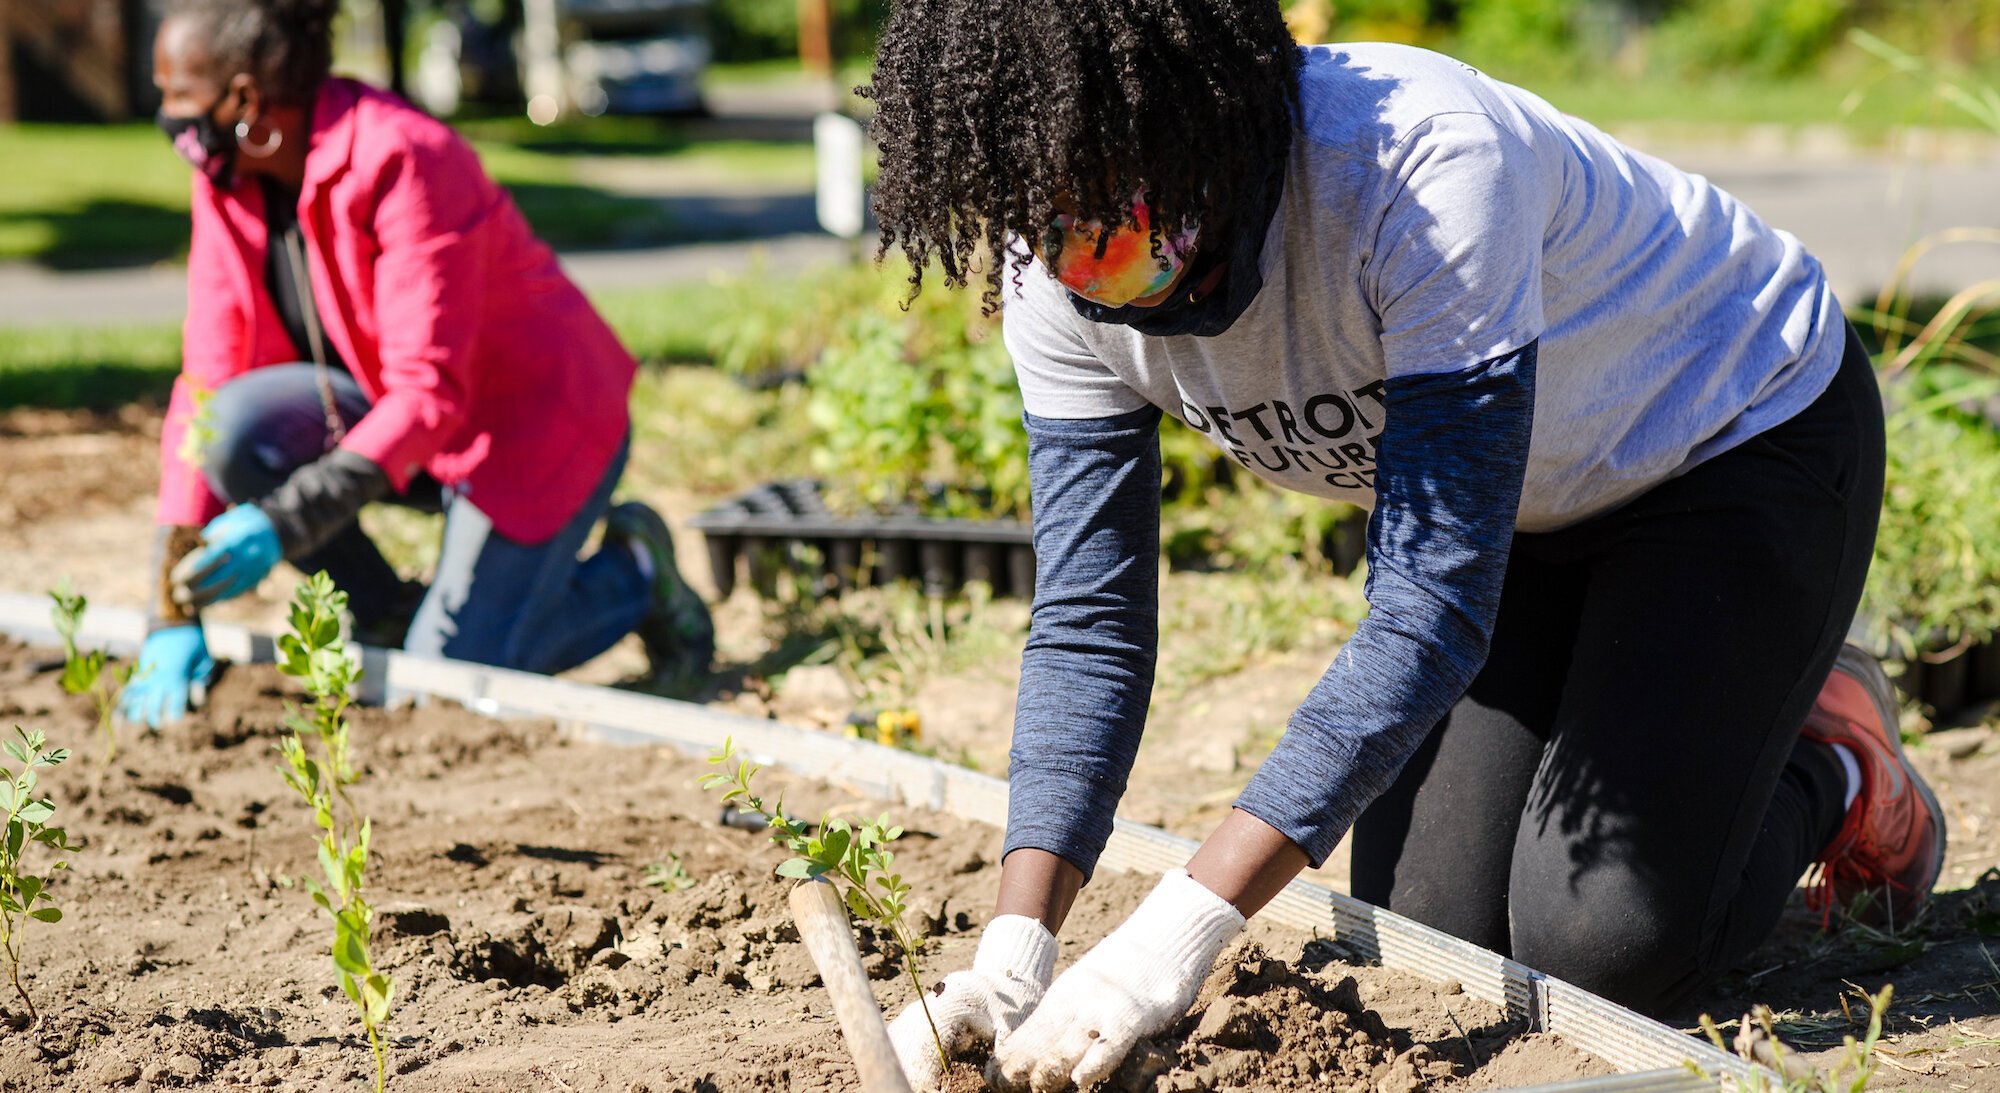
(1869, 111)
(94, 196)
(102, 368)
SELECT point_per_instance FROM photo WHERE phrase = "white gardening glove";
(1016, 959)
(1136, 982)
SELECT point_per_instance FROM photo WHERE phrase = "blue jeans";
(532, 606)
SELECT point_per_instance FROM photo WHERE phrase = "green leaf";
(378, 993)
(35, 812)
(858, 904)
(799, 869)
(8, 796)
(46, 914)
(835, 843)
(349, 955)
(15, 750)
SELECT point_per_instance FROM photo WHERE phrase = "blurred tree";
(7, 108)
(1766, 37)
(756, 30)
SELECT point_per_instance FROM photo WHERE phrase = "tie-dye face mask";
(1128, 270)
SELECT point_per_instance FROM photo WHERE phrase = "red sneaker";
(1891, 846)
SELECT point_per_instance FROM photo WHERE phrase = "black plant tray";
(786, 526)
(1953, 680)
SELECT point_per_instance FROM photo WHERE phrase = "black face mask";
(206, 146)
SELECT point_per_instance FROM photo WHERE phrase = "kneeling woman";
(370, 318)
(1624, 458)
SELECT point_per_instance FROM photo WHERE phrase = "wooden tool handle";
(822, 921)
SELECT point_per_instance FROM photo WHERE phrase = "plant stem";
(14, 973)
(375, 1045)
(910, 965)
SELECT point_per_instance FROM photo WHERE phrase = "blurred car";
(605, 57)
(635, 56)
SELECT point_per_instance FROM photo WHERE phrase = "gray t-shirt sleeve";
(1455, 271)
(1060, 376)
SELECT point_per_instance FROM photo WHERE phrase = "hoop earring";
(257, 151)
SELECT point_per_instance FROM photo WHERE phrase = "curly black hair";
(286, 44)
(993, 116)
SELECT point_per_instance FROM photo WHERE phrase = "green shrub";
(919, 405)
(1521, 35)
(1936, 574)
(1766, 37)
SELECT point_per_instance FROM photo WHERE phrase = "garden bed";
(530, 954)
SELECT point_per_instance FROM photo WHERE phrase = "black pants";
(1622, 799)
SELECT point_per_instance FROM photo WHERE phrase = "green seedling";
(25, 895)
(84, 672)
(670, 875)
(1782, 1071)
(314, 652)
(851, 855)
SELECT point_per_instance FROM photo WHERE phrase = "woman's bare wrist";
(1038, 884)
(1247, 862)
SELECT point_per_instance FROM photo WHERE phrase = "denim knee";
(238, 458)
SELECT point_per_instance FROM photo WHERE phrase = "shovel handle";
(822, 922)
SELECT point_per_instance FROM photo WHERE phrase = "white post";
(839, 146)
(543, 76)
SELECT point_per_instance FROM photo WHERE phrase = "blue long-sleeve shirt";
(1449, 464)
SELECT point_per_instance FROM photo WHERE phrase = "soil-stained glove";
(172, 677)
(1016, 958)
(238, 548)
(1136, 982)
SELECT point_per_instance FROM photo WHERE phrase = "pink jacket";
(484, 364)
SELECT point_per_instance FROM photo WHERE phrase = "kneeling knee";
(1631, 953)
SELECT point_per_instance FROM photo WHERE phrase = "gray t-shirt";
(1433, 218)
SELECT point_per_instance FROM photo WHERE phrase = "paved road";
(1857, 213)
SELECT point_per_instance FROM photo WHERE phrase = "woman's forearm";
(1247, 862)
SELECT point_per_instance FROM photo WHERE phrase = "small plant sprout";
(83, 672)
(25, 895)
(854, 855)
(669, 875)
(314, 652)
(1757, 1041)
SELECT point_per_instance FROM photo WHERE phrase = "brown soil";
(76, 497)
(529, 954)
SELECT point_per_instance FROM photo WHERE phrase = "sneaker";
(679, 635)
(1890, 849)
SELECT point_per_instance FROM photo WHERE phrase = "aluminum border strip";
(1644, 1051)
(1670, 1080)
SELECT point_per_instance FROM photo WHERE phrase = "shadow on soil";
(1945, 967)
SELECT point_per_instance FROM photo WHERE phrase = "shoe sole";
(1864, 667)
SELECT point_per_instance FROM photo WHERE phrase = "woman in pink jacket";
(370, 318)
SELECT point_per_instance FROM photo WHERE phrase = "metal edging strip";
(1651, 1057)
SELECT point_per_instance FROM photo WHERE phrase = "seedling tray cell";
(786, 527)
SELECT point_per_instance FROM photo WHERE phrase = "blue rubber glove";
(238, 548)
(174, 670)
